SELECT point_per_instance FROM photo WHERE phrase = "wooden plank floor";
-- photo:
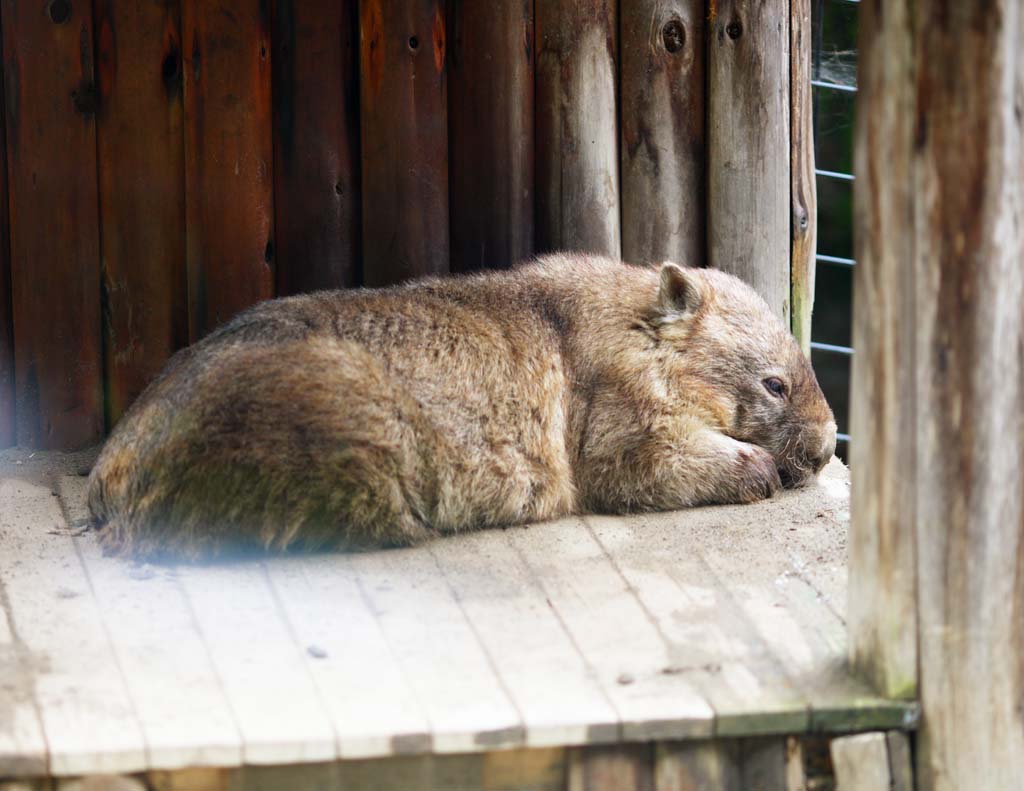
(586, 631)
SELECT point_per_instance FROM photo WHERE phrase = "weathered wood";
(748, 146)
(662, 130)
(22, 744)
(490, 118)
(524, 770)
(882, 600)
(763, 764)
(861, 762)
(696, 766)
(228, 159)
(104, 782)
(577, 145)
(87, 714)
(968, 286)
(7, 427)
(803, 190)
(901, 771)
(611, 768)
(55, 270)
(317, 216)
(403, 113)
(192, 779)
(141, 193)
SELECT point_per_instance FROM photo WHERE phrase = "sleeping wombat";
(372, 418)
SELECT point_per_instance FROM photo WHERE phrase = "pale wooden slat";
(901, 772)
(882, 595)
(803, 190)
(861, 762)
(154, 637)
(439, 654)
(722, 655)
(22, 746)
(372, 707)
(273, 698)
(87, 714)
(608, 624)
(538, 664)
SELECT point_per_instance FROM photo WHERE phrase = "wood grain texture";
(662, 74)
(803, 189)
(611, 768)
(882, 604)
(140, 138)
(861, 762)
(748, 146)
(404, 121)
(969, 316)
(697, 765)
(901, 761)
(577, 145)
(55, 271)
(228, 159)
(317, 216)
(7, 426)
(490, 128)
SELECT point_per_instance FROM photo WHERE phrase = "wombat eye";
(774, 386)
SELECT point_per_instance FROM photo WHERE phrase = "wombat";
(384, 417)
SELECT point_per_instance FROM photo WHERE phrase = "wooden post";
(662, 135)
(229, 159)
(317, 214)
(55, 270)
(142, 193)
(490, 115)
(577, 142)
(403, 89)
(960, 100)
(749, 146)
(882, 606)
(7, 433)
(803, 191)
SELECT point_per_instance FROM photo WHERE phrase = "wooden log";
(662, 136)
(55, 272)
(403, 108)
(968, 286)
(228, 159)
(882, 601)
(316, 145)
(7, 432)
(611, 768)
(490, 118)
(577, 146)
(142, 193)
(748, 146)
(803, 190)
(861, 762)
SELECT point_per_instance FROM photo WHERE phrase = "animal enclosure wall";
(168, 164)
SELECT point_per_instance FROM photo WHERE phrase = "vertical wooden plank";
(7, 432)
(55, 275)
(763, 764)
(524, 770)
(697, 766)
(490, 118)
(748, 146)
(803, 190)
(577, 123)
(861, 762)
(969, 354)
(882, 608)
(404, 120)
(901, 771)
(228, 159)
(142, 193)
(316, 145)
(662, 137)
(611, 768)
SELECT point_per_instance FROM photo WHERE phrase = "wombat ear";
(679, 293)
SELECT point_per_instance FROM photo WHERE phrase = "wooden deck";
(715, 622)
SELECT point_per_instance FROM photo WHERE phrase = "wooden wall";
(168, 164)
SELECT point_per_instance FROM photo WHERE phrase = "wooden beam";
(662, 130)
(491, 164)
(317, 217)
(861, 762)
(803, 190)
(403, 107)
(577, 142)
(55, 265)
(882, 609)
(140, 136)
(749, 147)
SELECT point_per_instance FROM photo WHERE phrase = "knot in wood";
(59, 11)
(734, 30)
(673, 34)
(86, 99)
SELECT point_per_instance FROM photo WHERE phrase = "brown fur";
(372, 418)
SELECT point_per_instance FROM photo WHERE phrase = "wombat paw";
(758, 477)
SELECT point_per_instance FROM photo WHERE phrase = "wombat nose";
(828, 448)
